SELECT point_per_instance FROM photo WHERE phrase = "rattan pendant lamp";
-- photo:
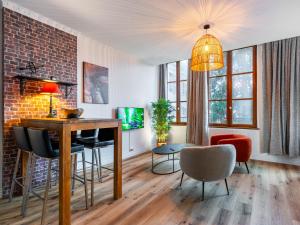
(207, 53)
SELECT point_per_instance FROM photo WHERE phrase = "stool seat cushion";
(75, 148)
(94, 142)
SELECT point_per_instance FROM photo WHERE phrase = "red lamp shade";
(50, 88)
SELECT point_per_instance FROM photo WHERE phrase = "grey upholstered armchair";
(210, 163)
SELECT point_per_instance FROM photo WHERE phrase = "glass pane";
(174, 112)
(242, 86)
(172, 92)
(183, 90)
(217, 88)
(184, 69)
(172, 71)
(242, 60)
(183, 119)
(217, 112)
(183, 110)
(222, 71)
(242, 111)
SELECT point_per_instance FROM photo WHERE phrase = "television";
(132, 118)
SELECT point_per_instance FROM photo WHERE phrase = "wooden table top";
(73, 120)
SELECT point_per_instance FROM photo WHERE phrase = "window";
(177, 89)
(232, 90)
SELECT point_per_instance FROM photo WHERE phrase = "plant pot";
(159, 143)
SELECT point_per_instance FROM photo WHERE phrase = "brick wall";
(26, 40)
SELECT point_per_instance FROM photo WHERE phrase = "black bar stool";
(95, 140)
(42, 147)
(23, 146)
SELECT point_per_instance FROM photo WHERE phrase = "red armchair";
(242, 144)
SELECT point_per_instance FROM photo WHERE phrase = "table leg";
(118, 162)
(173, 163)
(65, 175)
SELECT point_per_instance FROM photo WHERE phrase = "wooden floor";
(269, 195)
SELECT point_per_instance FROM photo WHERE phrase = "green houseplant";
(162, 117)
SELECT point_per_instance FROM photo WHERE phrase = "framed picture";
(95, 84)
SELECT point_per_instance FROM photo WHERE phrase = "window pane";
(172, 92)
(183, 111)
(172, 71)
(174, 112)
(242, 60)
(242, 86)
(184, 69)
(222, 71)
(217, 88)
(242, 111)
(183, 91)
(217, 112)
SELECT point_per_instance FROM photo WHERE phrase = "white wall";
(131, 83)
(178, 133)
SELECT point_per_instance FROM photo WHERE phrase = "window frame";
(229, 99)
(177, 121)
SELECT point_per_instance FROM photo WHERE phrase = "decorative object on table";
(162, 117)
(207, 53)
(208, 163)
(72, 113)
(50, 88)
(95, 84)
(242, 144)
(167, 150)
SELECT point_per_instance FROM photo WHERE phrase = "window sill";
(178, 124)
(239, 128)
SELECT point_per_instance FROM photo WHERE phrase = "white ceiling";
(159, 31)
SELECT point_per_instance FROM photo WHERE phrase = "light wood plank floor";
(269, 195)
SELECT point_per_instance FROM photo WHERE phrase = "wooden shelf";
(23, 79)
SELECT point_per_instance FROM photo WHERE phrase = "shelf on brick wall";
(23, 79)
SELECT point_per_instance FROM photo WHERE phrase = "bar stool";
(43, 148)
(95, 140)
(23, 146)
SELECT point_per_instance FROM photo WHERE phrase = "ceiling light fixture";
(207, 53)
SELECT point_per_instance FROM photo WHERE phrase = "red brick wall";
(26, 40)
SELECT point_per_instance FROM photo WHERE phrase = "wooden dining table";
(64, 128)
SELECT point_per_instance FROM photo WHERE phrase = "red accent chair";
(242, 144)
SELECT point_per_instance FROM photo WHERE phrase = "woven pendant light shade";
(207, 54)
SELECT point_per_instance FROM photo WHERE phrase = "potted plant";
(162, 117)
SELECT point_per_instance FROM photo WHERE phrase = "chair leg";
(44, 212)
(203, 190)
(74, 172)
(28, 183)
(12, 188)
(227, 187)
(247, 167)
(85, 180)
(99, 163)
(239, 164)
(181, 179)
(92, 177)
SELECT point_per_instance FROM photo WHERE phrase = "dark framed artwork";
(95, 84)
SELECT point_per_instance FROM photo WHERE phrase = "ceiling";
(160, 31)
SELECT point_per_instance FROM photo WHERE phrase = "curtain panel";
(197, 123)
(281, 97)
(162, 81)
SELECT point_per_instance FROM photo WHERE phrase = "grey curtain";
(197, 124)
(281, 97)
(162, 81)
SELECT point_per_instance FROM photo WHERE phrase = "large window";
(232, 90)
(177, 89)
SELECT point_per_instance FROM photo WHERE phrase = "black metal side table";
(169, 149)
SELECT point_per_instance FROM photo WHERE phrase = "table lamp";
(50, 88)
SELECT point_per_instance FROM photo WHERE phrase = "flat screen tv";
(132, 118)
